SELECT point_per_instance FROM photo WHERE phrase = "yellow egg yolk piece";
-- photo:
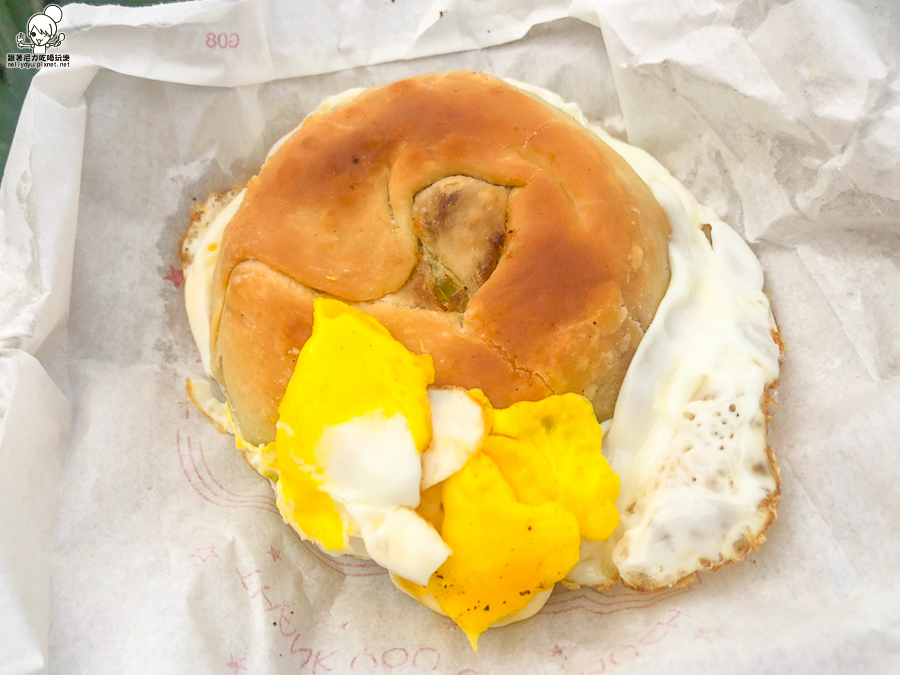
(516, 513)
(564, 430)
(525, 468)
(349, 367)
(504, 551)
(307, 508)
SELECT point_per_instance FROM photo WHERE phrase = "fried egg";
(687, 440)
(688, 434)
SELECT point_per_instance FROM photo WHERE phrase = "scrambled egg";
(506, 496)
(565, 432)
(504, 550)
(352, 426)
(350, 366)
(517, 511)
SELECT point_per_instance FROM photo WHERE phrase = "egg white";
(458, 430)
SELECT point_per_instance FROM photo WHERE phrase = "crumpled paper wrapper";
(134, 539)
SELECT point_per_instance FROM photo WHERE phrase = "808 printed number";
(222, 40)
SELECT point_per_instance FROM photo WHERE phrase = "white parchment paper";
(134, 539)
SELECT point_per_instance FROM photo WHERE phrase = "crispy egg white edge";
(648, 427)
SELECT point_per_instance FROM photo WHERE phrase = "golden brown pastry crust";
(582, 268)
